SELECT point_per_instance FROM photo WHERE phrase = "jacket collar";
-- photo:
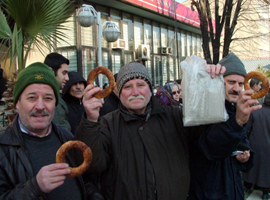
(156, 108)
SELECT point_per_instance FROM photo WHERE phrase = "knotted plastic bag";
(203, 97)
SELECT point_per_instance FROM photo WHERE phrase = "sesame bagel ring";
(102, 70)
(265, 83)
(87, 155)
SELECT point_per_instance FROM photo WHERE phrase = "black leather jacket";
(17, 180)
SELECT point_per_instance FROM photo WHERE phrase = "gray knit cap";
(132, 70)
(233, 65)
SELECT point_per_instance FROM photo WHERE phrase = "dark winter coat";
(76, 110)
(258, 132)
(74, 105)
(111, 103)
(17, 179)
(215, 174)
(61, 114)
(143, 158)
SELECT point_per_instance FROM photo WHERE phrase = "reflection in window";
(171, 69)
(171, 41)
(148, 67)
(183, 44)
(128, 58)
(194, 43)
(116, 61)
(147, 32)
(199, 46)
(156, 38)
(127, 31)
(88, 61)
(164, 70)
(138, 37)
(87, 36)
(163, 37)
(188, 45)
(105, 63)
(70, 54)
(103, 19)
(157, 71)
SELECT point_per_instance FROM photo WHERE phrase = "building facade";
(160, 33)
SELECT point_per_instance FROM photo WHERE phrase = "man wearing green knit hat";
(29, 144)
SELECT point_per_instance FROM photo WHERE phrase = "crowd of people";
(141, 148)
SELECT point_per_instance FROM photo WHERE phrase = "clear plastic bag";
(203, 97)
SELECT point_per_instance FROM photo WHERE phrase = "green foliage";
(265, 71)
(37, 23)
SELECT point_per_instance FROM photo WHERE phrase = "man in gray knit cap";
(141, 148)
(219, 177)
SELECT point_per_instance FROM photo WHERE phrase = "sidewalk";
(255, 195)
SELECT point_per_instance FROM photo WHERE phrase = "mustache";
(78, 90)
(39, 112)
(136, 97)
(234, 93)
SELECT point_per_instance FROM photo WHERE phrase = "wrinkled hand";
(92, 104)
(245, 105)
(52, 176)
(215, 69)
(243, 157)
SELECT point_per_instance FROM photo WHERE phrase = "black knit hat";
(233, 65)
(132, 70)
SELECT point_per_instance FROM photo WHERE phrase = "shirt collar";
(26, 131)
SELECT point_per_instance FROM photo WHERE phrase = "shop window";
(70, 54)
(171, 43)
(116, 61)
(156, 38)
(157, 71)
(189, 49)
(164, 41)
(148, 67)
(183, 44)
(147, 32)
(128, 31)
(128, 58)
(194, 44)
(138, 37)
(70, 33)
(199, 46)
(88, 61)
(164, 68)
(171, 69)
(87, 36)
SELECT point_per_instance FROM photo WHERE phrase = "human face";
(62, 75)
(175, 92)
(181, 94)
(135, 95)
(233, 86)
(257, 87)
(36, 107)
(76, 90)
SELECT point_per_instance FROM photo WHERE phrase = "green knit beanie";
(35, 73)
(233, 65)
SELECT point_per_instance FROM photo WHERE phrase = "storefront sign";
(169, 7)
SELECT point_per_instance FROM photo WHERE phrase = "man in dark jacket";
(111, 102)
(59, 65)
(215, 163)
(72, 95)
(28, 146)
(142, 147)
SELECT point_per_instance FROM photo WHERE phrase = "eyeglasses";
(174, 92)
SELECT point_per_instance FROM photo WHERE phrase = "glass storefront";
(167, 47)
